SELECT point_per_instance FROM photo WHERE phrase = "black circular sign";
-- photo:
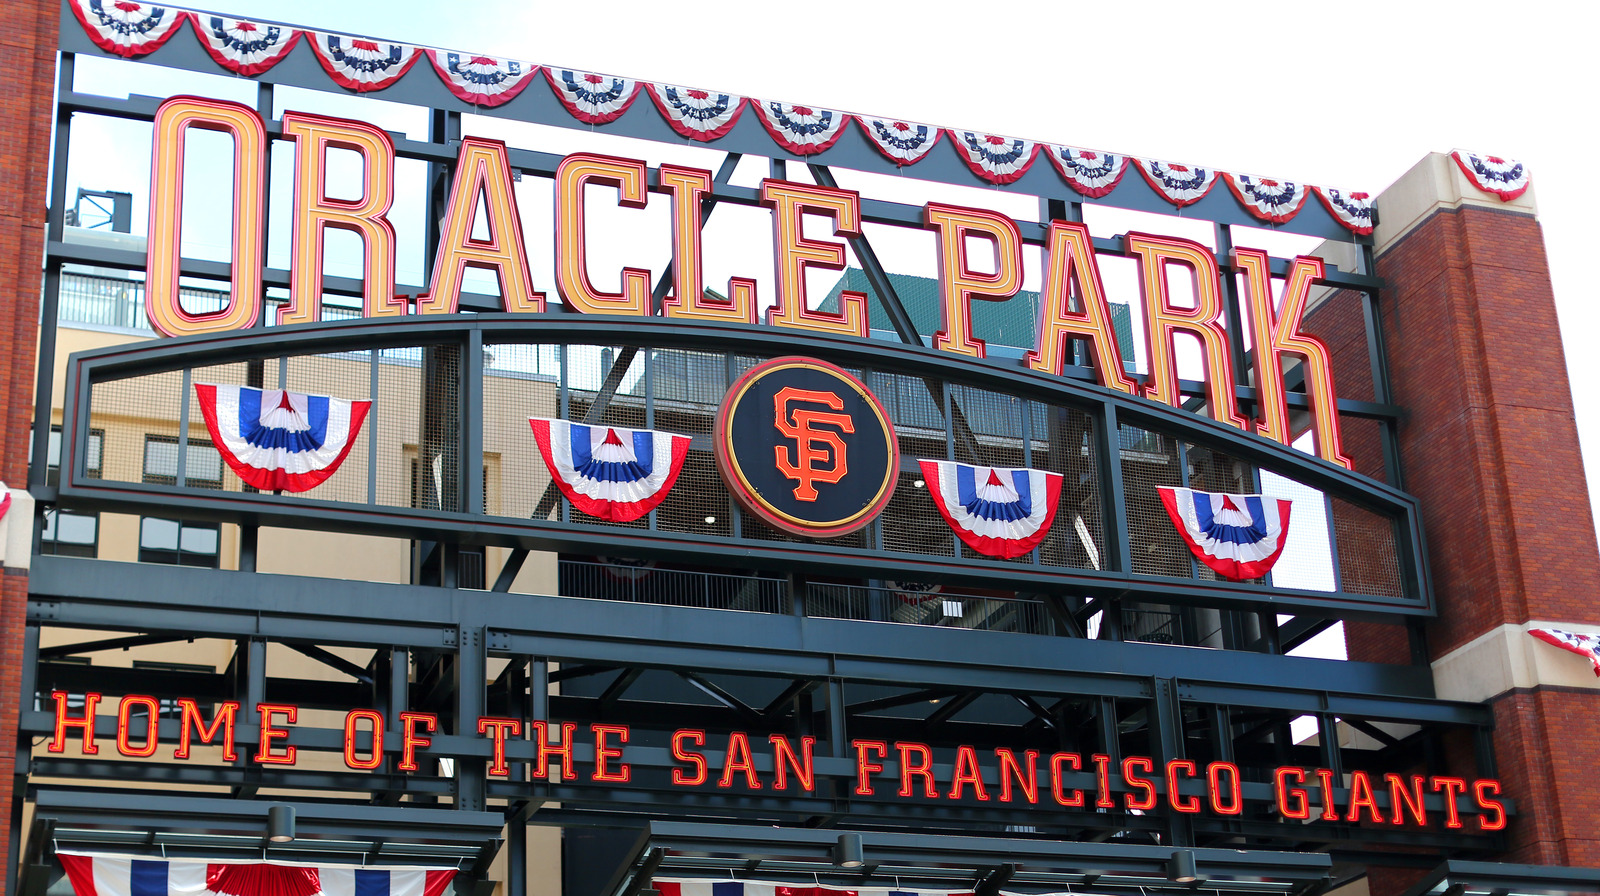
(806, 447)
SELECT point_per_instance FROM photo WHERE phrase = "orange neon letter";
(575, 173)
(1277, 333)
(1162, 320)
(482, 170)
(688, 299)
(959, 284)
(1071, 260)
(793, 253)
(163, 263)
(315, 211)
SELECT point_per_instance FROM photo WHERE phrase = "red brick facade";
(27, 67)
(1489, 446)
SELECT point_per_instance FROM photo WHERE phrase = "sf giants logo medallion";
(806, 447)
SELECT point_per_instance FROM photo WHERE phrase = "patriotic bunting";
(625, 569)
(248, 48)
(713, 887)
(609, 472)
(5, 499)
(914, 592)
(996, 159)
(1094, 174)
(481, 80)
(1238, 536)
(1506, 178)
(697, 114)
(244, 48)
(1181, 185)
(280, 441)
(1584, 645)
(802, 130)
(126, 28)
(114, 875)
(1274, 201)
(361, 64)
(997, 511)
(1354, 210)
(904, 142)
(592, 98)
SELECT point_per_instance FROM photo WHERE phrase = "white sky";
(1349, 94)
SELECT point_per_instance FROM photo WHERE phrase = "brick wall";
(27, 68)
(1490, 447)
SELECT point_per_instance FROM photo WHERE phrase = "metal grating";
(1150, 460)
(1368, 551)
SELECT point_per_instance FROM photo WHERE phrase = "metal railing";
(914, 605)
(642, 582)
(119, 302)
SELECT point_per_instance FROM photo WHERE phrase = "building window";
(94, 451)
(69, 534)
(202, 463)
(179, 542)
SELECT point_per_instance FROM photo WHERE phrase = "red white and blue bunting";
(914, 592)
(996, 159)
(1238, 536)
(1583, 644)
(592, 98)
(481, 80)
(609, 472)
(113, 875)
(244, 48)
(711, 887)
(362, 64)
(126, 28)
(1273, 201)
(1180, 185)
(997, 511)
(1094, 174)
(5, 500)
(802, 130)
(904, 142)
(702, 115)
(626, 569)
(1354, 210)
(1506, 178)
(280, 441)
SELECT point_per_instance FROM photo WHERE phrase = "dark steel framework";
(434, 647)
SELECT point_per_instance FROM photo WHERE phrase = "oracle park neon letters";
(871, 768)
(483, 175)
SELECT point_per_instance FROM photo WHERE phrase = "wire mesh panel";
(1068, 447)
(127, 411)
(686, 389)
(1149, 461)
(520, 381)
(399, 384)
(1368, 550)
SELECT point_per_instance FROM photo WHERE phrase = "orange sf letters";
(812, 446)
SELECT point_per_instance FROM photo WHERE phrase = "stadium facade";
(562, 571)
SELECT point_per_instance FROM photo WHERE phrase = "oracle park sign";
(601, 512)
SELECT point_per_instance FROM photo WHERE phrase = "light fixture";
(1181, 867)
(710, 519)
(847, 853)
(919, 483)
(280, 823)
